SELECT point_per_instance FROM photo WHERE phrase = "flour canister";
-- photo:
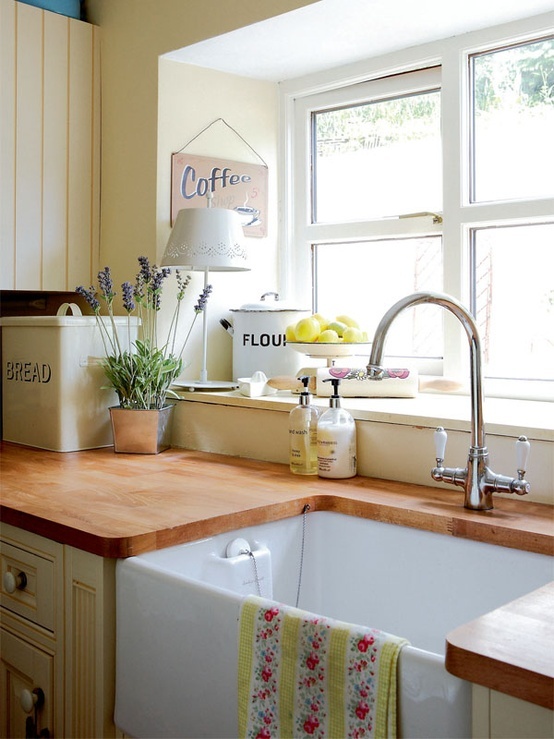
(259, 341)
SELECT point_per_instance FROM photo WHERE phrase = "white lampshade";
(207, 238)
(210, 240)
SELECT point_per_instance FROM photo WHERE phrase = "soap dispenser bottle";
(303, 434)
(336, 439)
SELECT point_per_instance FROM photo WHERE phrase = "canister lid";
(268, 302)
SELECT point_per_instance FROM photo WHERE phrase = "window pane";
(513, 300)
(364, 280)
(378, 159)
(513, 121)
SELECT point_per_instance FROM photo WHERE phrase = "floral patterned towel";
(303, 675)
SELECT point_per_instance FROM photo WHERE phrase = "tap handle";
(523, 448)
(440, 443)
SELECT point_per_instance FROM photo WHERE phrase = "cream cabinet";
(57, 639)
(500, 716)
(49, 149)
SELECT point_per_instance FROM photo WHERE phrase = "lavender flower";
(198, 309)
(89, 296)
(182, 284)
(142, 280)
(106, 284)
(155, 287)
(144, 273)
(127, 297)
(203, 299)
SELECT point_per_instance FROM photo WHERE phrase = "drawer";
(29, 583)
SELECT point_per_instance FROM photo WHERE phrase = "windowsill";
(503, 417)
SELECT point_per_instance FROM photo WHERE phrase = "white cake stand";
(330, 352)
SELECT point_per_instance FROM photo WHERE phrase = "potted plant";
(141, 371)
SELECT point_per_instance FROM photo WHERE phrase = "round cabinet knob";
(30, 700)
(14, 582)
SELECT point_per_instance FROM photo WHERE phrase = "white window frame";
(298, 97)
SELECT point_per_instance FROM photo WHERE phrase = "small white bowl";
(255, 386)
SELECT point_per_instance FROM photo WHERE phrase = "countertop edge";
(489, 650)
(390, 507)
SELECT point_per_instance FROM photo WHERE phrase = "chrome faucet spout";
(478, 481)
(452, 305)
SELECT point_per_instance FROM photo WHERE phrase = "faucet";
(477, 479)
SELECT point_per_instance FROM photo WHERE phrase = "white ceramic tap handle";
(523, 448)
(440, 442)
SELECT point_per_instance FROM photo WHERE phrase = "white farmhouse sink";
(178, 611)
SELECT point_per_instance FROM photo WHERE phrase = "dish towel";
(304, 675)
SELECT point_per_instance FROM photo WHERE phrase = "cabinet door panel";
(28, 152)
(50, 149)
(54, 246)
(7, 144)
(24, 667)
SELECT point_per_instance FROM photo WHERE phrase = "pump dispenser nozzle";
(334, 400)
(304, 394)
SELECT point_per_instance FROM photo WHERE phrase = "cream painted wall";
(136, 144)
(133, 36)
(190, 98)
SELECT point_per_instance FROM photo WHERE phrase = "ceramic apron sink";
(178, 612)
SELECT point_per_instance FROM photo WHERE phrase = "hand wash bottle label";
(303, 434)
(336, 439)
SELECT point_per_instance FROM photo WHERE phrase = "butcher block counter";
(119, 505)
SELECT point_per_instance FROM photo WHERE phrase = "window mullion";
(455, 177)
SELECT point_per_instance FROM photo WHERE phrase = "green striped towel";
(303, 675)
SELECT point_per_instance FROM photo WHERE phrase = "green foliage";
(141, 372)
(142, 379)
(520, 75)
(377, 123)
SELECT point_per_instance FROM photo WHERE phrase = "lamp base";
(212, 385)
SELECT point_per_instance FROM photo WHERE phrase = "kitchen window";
(432, 174)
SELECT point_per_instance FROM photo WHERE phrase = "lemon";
(337, 326)
(328, 337)
(353, 335)
(348, 321)
(307, 330)
(323, 322)
(290, 334)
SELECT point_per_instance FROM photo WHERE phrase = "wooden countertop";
(118, 505)
(496, 651)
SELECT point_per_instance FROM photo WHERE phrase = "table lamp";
(207, 239)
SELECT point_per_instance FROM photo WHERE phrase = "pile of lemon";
(316, 328)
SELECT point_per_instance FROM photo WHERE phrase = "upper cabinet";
(49, 149)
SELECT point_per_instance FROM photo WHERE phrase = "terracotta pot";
(141, 432)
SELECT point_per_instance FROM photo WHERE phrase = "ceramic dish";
(329, 351)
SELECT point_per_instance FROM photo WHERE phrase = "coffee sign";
(238, 186)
